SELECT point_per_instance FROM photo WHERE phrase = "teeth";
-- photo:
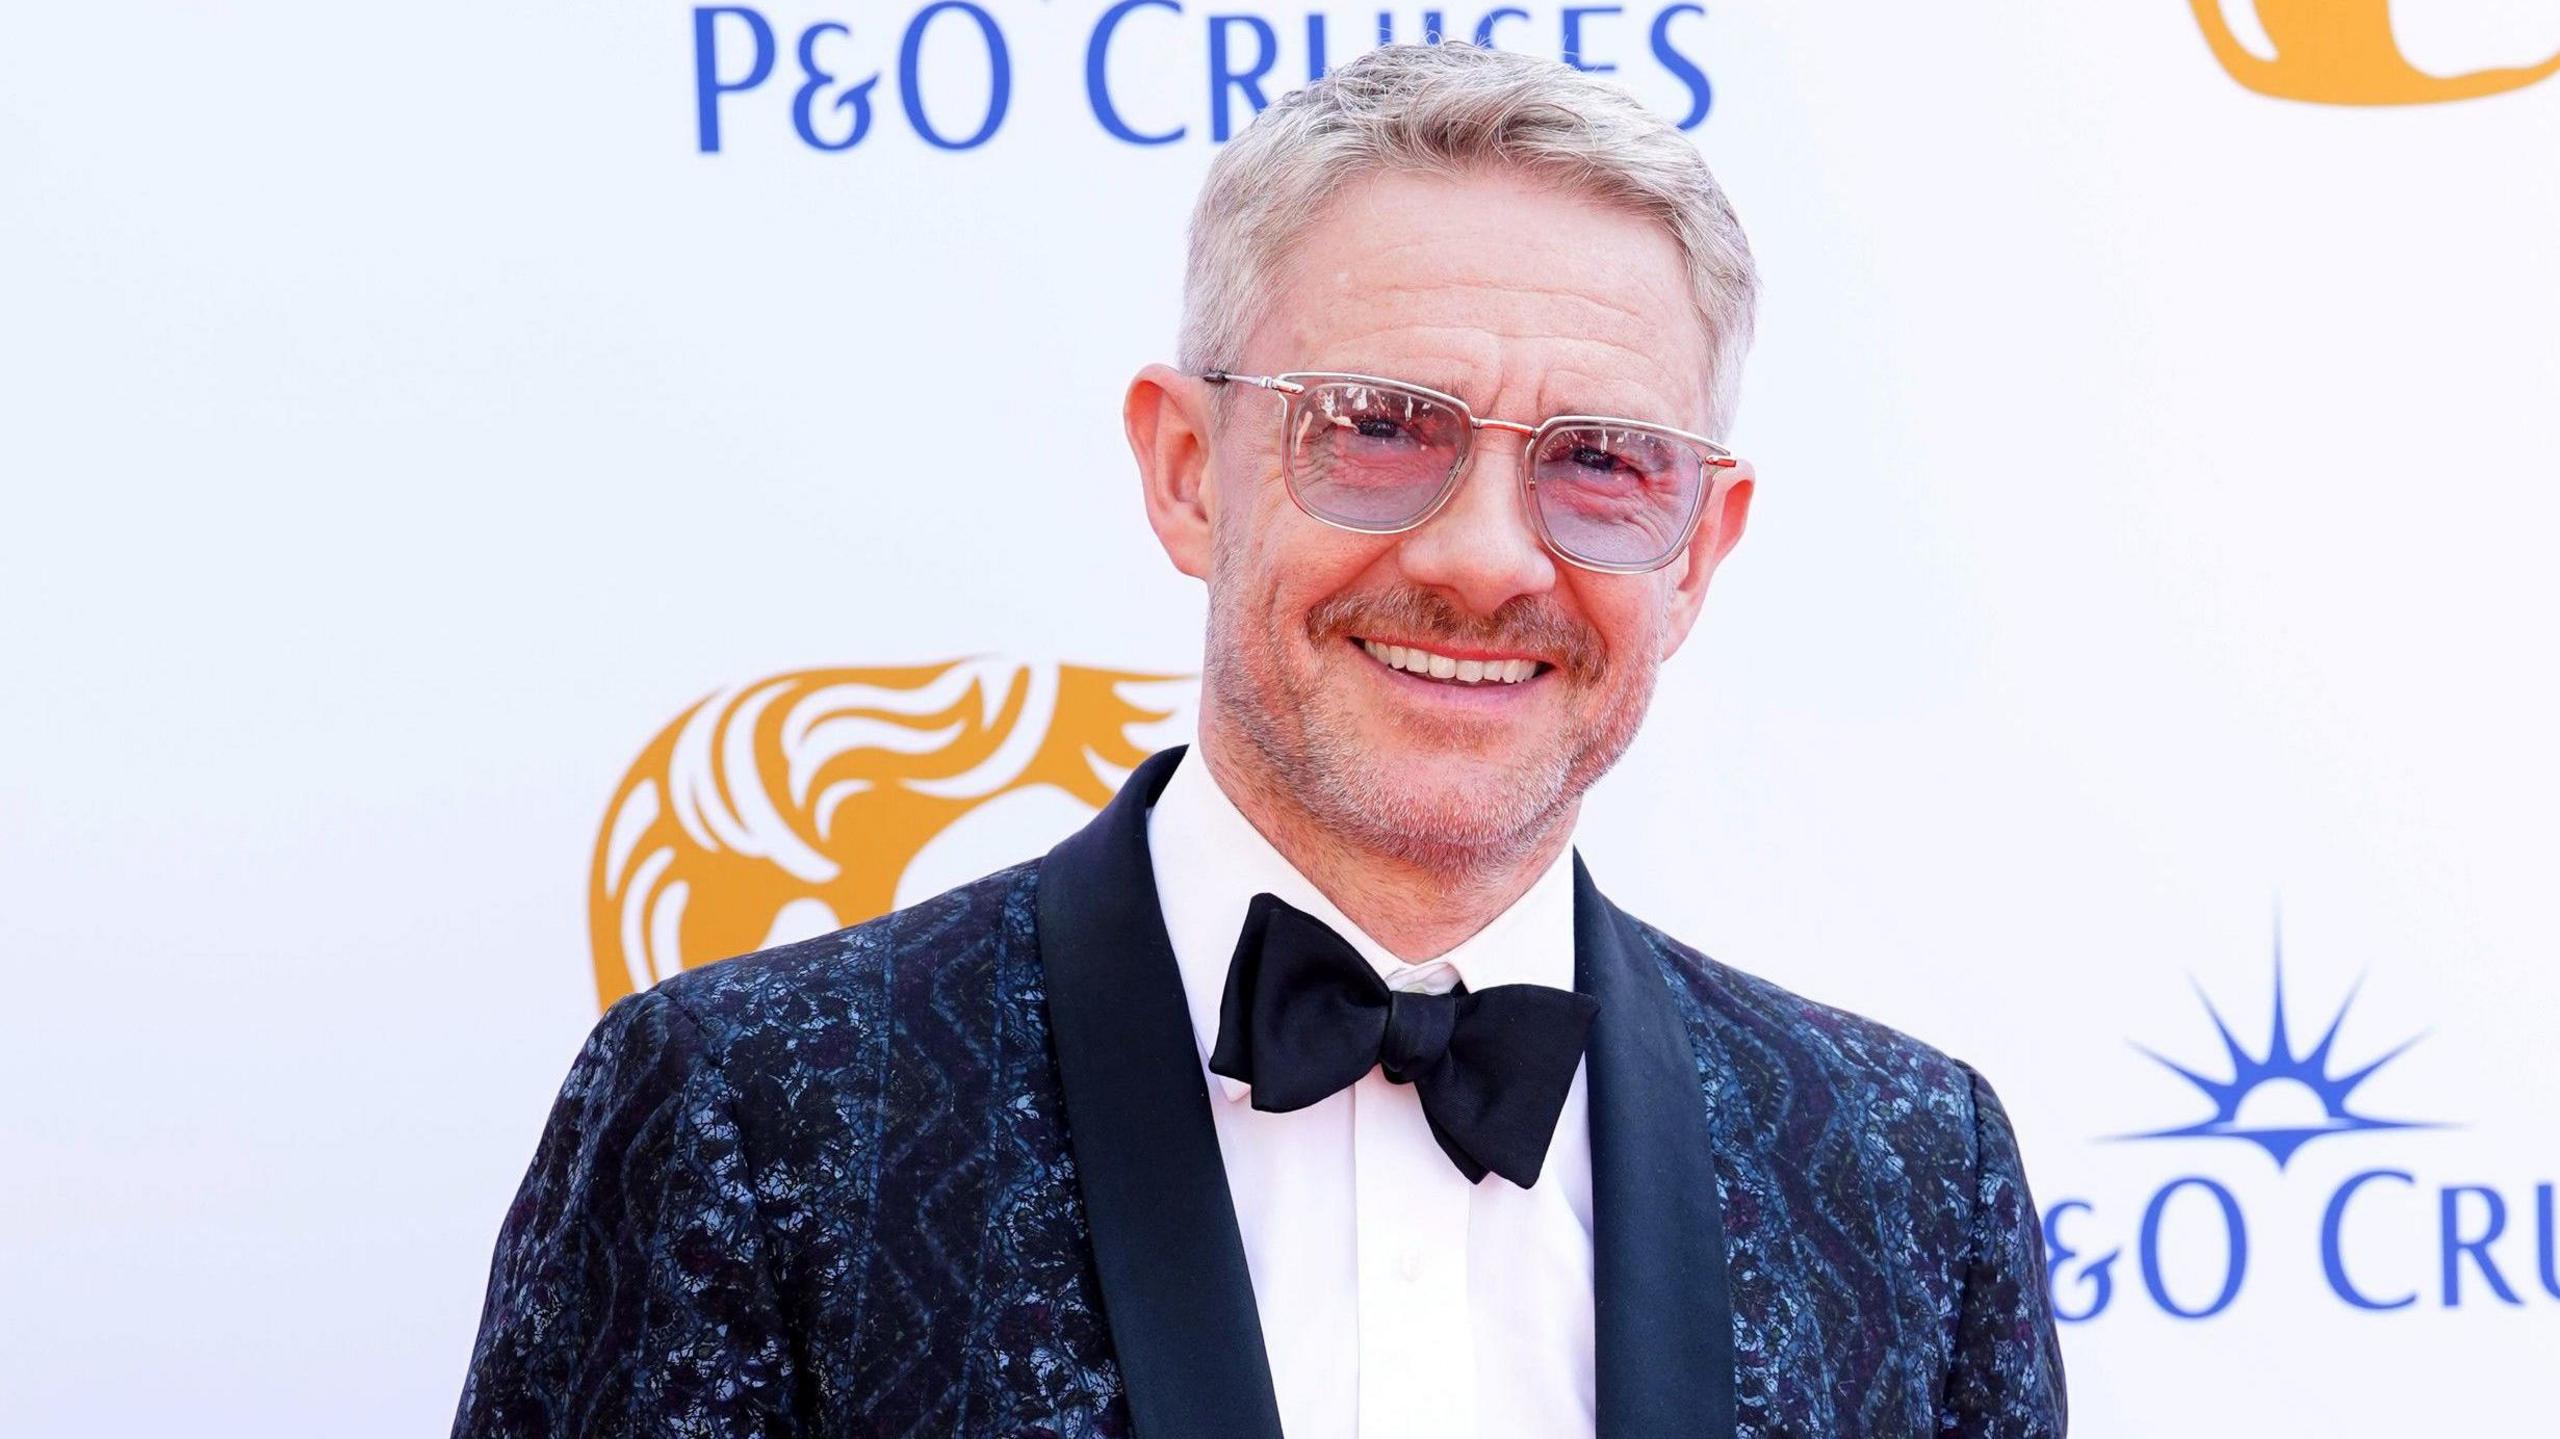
(1443, 667)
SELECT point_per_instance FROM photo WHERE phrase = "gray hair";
(1444, 109)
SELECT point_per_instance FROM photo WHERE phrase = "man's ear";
(1719, 530)
(1167, 416)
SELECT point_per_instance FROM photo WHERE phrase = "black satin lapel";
(1664, 1345)
(1174, 1284)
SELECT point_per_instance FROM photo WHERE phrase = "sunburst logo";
(803, 802)
(2340, 52)
(2279, 1099)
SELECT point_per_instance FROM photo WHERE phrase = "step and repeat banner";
(503, 504)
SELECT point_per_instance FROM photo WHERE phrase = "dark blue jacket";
(953, 1172)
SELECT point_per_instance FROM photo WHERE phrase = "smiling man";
(1314, 1087)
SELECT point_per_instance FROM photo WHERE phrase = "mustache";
(1528, 624)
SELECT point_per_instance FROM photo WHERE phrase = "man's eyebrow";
(1425, 375)
(1582, 397)
(1621, 406)
(1581, 394)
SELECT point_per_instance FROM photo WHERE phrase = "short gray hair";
(1445, 109)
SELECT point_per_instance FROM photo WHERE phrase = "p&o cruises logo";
(1147, 72)
(2195, 1237)
(2314, 1074)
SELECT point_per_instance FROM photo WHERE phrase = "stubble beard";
(1301, 732)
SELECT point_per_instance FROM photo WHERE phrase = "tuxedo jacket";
(953, 1172)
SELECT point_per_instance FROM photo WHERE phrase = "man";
(1314, 1086)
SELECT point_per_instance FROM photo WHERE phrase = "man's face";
(1525, 302)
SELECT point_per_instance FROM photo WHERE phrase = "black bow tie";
(1305, 1017)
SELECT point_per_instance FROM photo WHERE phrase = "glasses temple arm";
(1262, 382)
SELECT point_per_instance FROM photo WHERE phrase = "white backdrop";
(403, 420)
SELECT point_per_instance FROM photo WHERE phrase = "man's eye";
(1592, 457)
(1377, 427)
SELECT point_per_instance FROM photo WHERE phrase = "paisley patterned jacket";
(952, 1172)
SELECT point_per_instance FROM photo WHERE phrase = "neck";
(1418, 909)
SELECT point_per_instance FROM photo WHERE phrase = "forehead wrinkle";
(1554, 278)
(1565, 311)
(1427, 228)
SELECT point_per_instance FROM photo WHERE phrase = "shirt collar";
(1210, 862)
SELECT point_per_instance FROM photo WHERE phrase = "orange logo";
(797, 804)
(2342, 52)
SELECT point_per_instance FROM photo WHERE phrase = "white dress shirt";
(1398, 1301)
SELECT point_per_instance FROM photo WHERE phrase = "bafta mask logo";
(2342, 52)
(798, 804)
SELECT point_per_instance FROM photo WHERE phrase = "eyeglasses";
(1381, 457)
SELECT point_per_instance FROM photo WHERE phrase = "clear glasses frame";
(1714, 459)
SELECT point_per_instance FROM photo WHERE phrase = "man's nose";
(1481, 548)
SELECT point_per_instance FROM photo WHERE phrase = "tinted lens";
(1374, 457)
(1617, 494)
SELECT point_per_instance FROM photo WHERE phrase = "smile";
(1429, 665)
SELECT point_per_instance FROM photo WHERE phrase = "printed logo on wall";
(2341, 52)
(2193, 1244)
(2275, 1073)
(827, 81)
(808, 801)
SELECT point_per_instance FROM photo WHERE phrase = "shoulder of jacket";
(1899, 1079)
(844, 976)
